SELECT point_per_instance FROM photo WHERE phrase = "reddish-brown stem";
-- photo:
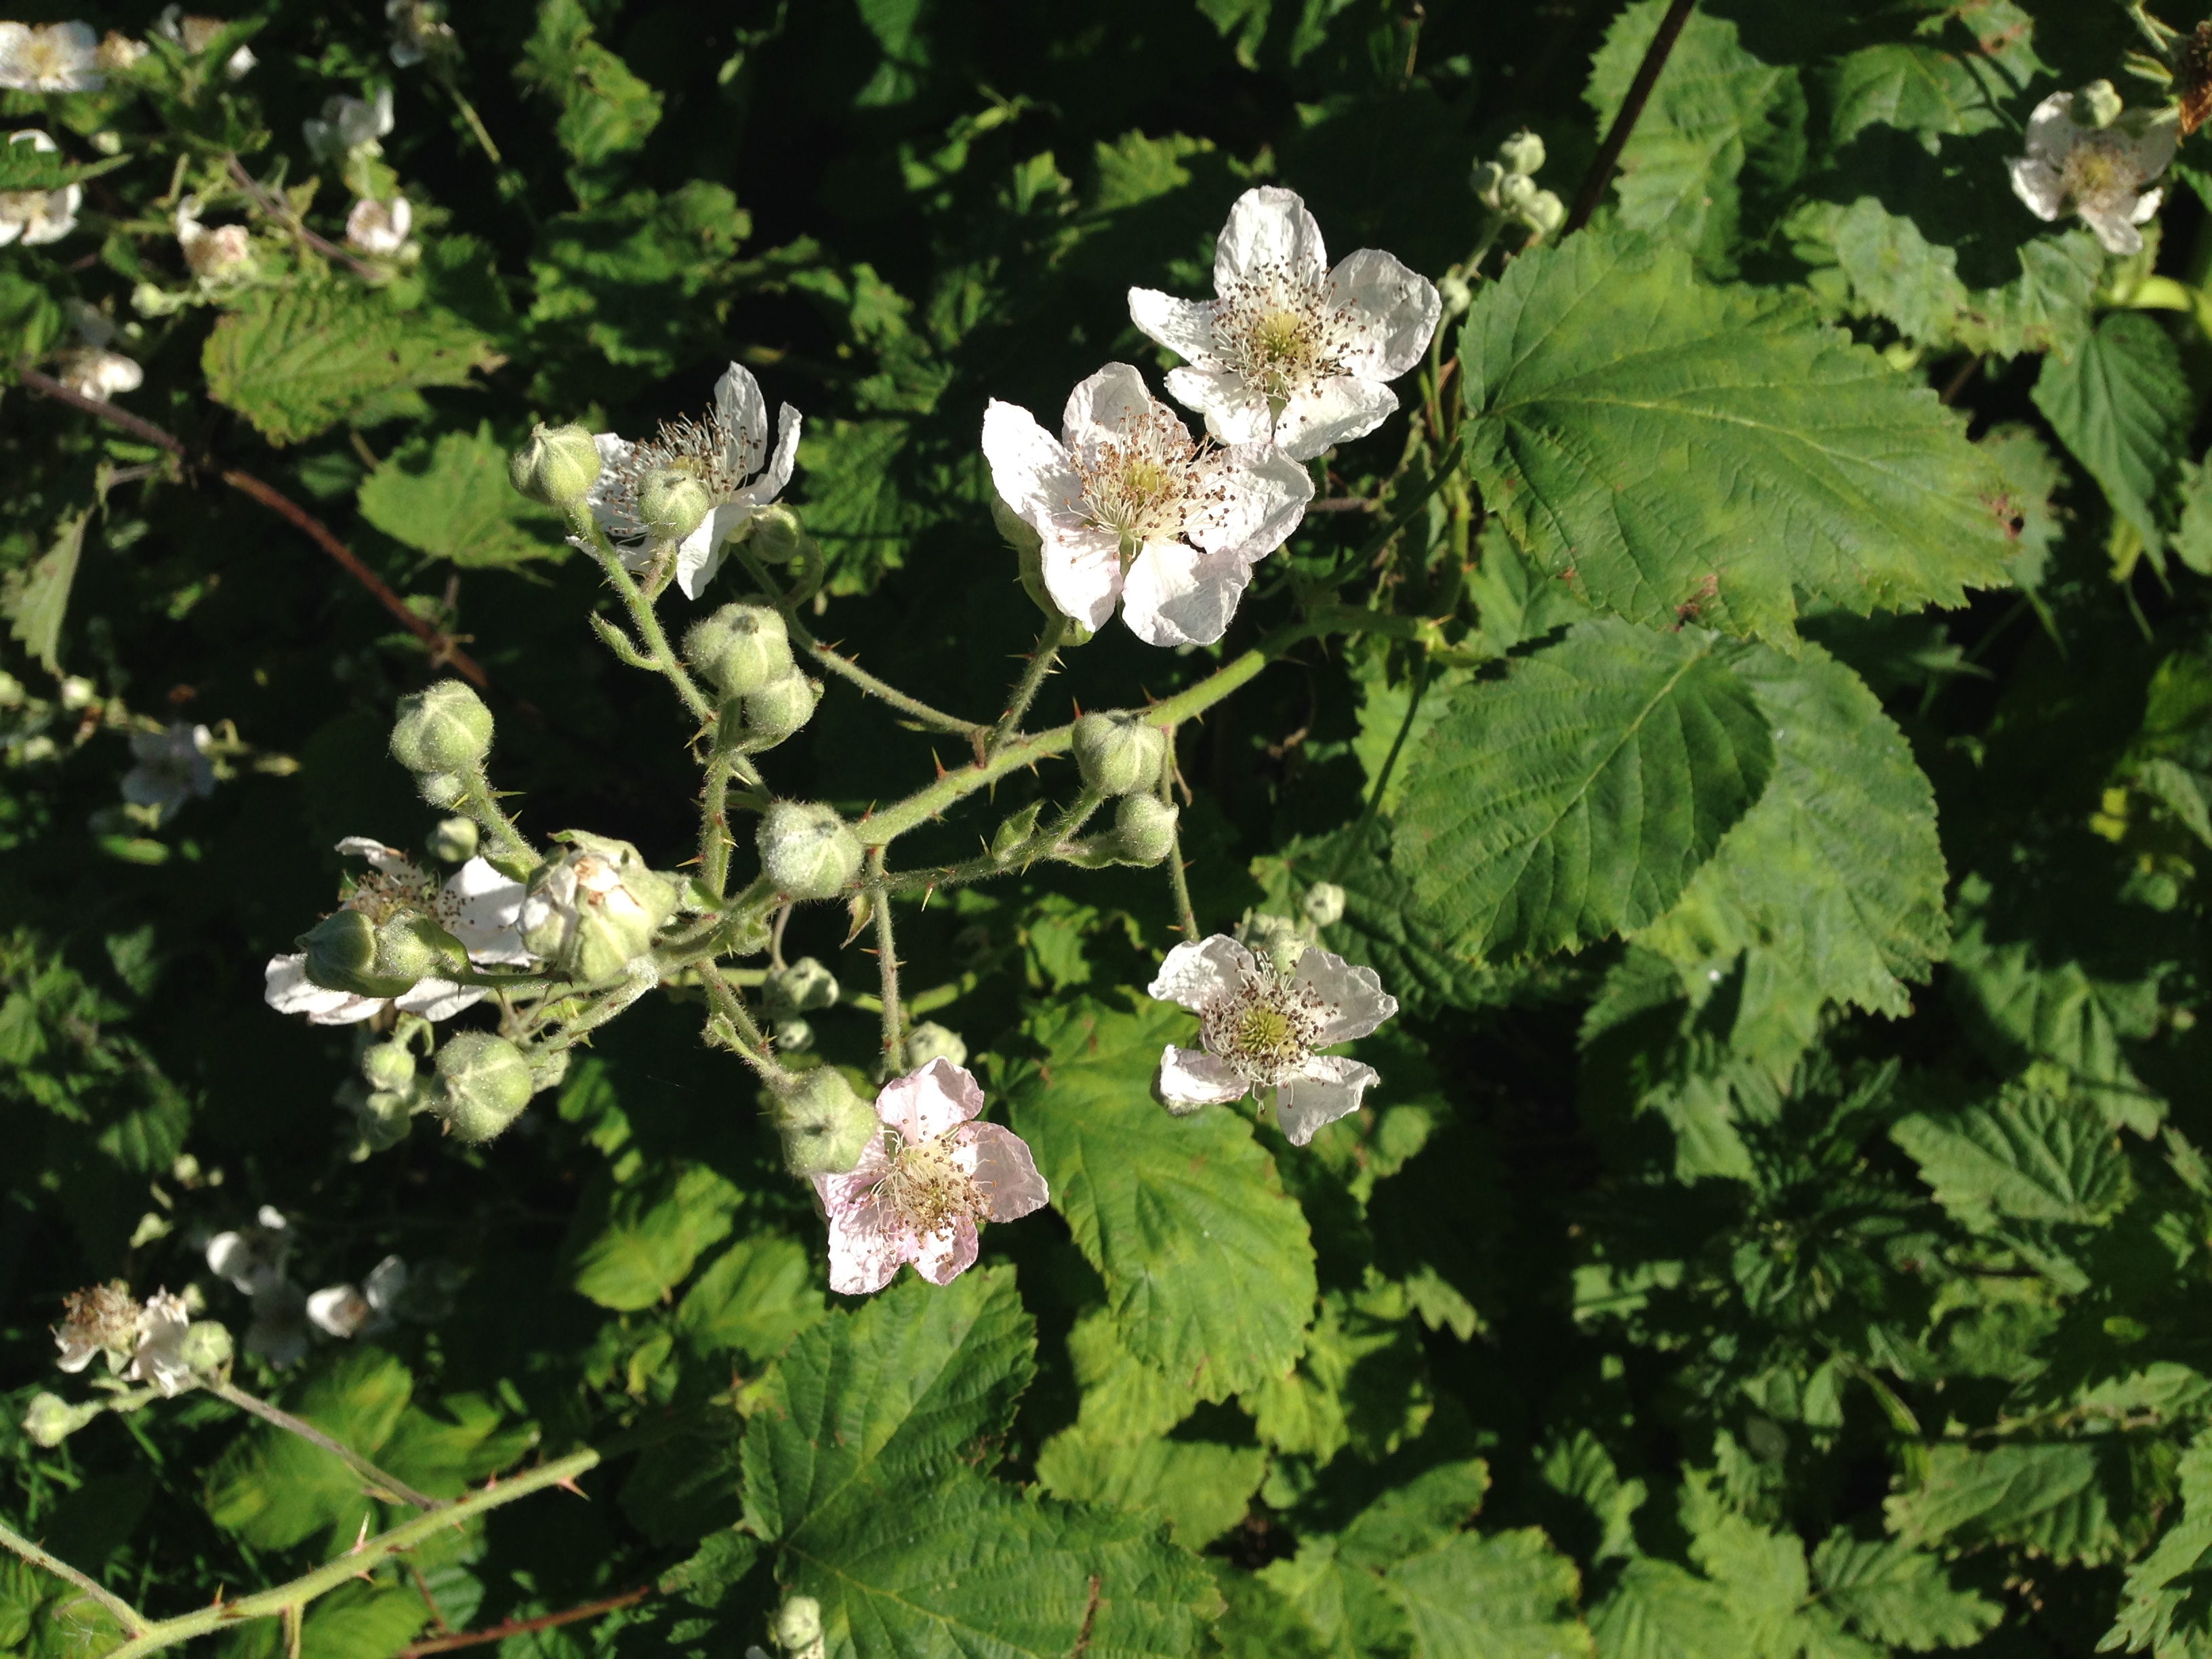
(500, 1632)
(1631, 106)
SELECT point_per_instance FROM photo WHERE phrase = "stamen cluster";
(389, 888)
(926, 1188)
(1150, 481)
(1269, 1027)
(1275, 327)
(706, 449)
(104, 1316)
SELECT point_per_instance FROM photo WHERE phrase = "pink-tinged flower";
(1264, 1028)
(925, 1185)
(1289, 351)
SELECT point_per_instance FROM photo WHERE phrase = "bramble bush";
(900, 827)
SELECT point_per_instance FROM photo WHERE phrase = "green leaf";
(1658, 1610)
(2192, 541)
(605, 109)
(1506, 1595)
(2124, 407)
(863, 1464)
(1838, 870)
(24, 168)
(1423, 1513)
(1200, 1488)
(2027, 1156)
(296, 362)
(453, 499)
(1361, 1383)
(1209, 1268)
(1575, 795)
(1678, 450)
(2053, 1498)
(1899, 1596)
(1918, 86)
(653, 1233)
(275, 1490)
(753, 1298)
(1715, 112)
(36, 599)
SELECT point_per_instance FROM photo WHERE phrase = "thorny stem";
(1351, 842)
(845, 666)
(659, 657)
(499, 1632)
(714, 841)
(880, 900)
(744, 1037)
(275, 208)
(134, 1622)
(469, 114)
(361, 1466)
(1033, 677)
(1631, 106)
(483, 807)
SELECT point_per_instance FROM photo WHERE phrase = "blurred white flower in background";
(50, 57)
(35, 217)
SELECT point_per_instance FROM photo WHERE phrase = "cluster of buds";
(1122, 756)
(743, 651)
(792, 992)
(1507, 186)
(156, 1343)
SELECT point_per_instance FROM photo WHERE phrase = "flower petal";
(386, 1282)
(339, 1309)
(1235, 411)
(2146, 206)
(2115, 228)
(614, 454)
(1328, 1089)
(1176, 595)
(389, 860)
(1104, 408)
(1183, 327)
(438, 999)
(1355, 995)
(1030, 470)
(1267, 497)
(1268, 227)
(869, 1243)
(1334, 411)
(770, 484)
(483, 908)
(2037, 183)
(1083, 572)
(1200, 973)
(1005, 1175)
(1190, 1078)
(946, 1254)
(738, 400)
(2052, 132)
(922, 1105)
(1393, 312)
(699, 555)
(287, 989)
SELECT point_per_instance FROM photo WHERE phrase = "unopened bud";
(826, 1127)
(346, 951)
(484, 1083)
(441, 789)
(388, 1066)
(797, 1624)
(206, 1345)
(1523, 153)
(1453, 290)
(776, 536)
(1324, 904)
(51, 1419)
(2097, 105)
(1016, 829)
(793, 1035)
(1544, 213)
(1144, 829)
(454, 840)
(930, 1041)
(594, 908)
(780, 709)
(806, 851)
(445, 728)
(1514, 192)
(800, 988)
(739, 649)
(556, 464)
(1485, 182)
(1278, 938)
(670, 505)
(1117, 752)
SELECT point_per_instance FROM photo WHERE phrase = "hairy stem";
(1631, 106)
(660, 657)
(385, 1485)
(879, 901)
(134, 1622)
(1178, 878)
(714, 843)
(1032, 680)
(746, 1039)
(483, 809)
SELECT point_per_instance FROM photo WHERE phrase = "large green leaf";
(295, 362)
(2027, 1156)
(1209, 1268)
(1683, 451)
(1508, 1595)
(865, 1466)
(1898, 1595)
(1837, 869)
(653, 1233)
(2055, 1498)
(1575, 795)
(275, 1490)
(453, 501)
(2123, 405)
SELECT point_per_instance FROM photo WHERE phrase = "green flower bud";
(740, 648)
(548, 1071)
(1514, 192)
(1523, 153)
(807, 850)
(775, 536)
(930, 1041)
(484, 1083)
(2097, 105)
(382, 1117)
(824, 1125)
(454, 840)
(346, 951)
(1487, 180)
(445, 728)
(1278, 938)
(780, 709)
(1544, 213)
(793, 1035)
(388, 1066)
(1144, 829)
(1324, 904)
(670, 505)
(557, 465)
(1118, 753)
(441, 789)
(595, 907)
(797, 1624)
(800, 988)
(1016, 829)
(206, 1345)
(51, 1419)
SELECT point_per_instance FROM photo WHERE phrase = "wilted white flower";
(1130, 510)
(33, 217)
(50, 57)
(103, 1319)
(416, 31)
(1288, 350)
(91, 372)
(348, 125)
(1264, 1028)
(477, 904)
(724, 452)
(159, 1358)
(345, 1311)
(380, 228)
(252, 1258)
(196, 34)
(2099, 172)
(215, 255)
(172, 765)
(925, 1184)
